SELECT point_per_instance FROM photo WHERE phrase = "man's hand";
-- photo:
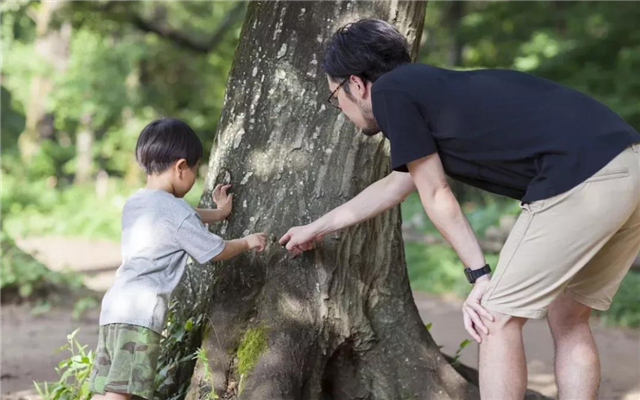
(300, 238)
(473, 312)
(222, 199)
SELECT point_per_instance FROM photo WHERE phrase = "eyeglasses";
(333, 100)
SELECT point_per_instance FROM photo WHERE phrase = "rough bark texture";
(338, 322)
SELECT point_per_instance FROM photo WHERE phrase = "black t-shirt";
(503, 131)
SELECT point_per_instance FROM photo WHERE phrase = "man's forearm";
(444, 211)
(374, 200)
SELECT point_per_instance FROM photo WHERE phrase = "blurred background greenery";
(80, 80)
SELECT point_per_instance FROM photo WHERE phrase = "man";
(572, 162)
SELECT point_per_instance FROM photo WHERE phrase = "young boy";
(159, 231)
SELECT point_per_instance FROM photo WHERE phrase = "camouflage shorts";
(125, 360)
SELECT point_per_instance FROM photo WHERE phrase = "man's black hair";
(367, 48)
(165, 141)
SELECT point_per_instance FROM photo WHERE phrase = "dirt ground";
(28, 341)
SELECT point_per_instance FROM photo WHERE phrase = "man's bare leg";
(503, 368)
(577, 363)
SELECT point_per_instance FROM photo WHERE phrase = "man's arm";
(444, 211)
(374, 200)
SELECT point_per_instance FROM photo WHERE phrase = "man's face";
(356, 105)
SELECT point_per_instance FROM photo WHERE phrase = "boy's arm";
(224, 203)
(231, 249)
(212, 215)
(234, 247)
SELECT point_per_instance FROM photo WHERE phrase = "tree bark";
(52, 45)
(338, 322)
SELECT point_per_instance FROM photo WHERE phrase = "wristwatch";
(473, 274)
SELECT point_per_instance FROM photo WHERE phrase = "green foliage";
(201, 355)
(99, 96)
(456, 357)
(590, 46)
(39, 208)
(24, 278)
(74, 372)
(116, 78)
(437, 269)
(481, 215)
(177, 334)
(625, 308)
(82, 305)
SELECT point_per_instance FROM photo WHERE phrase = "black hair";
(367, 48)
(165, 141)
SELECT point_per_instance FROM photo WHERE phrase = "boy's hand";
(222, 199)
(257, 241)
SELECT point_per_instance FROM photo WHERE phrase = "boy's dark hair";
(165, 141)
(367, 48)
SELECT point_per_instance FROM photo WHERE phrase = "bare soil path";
(28, 341)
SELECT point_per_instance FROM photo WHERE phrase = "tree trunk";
(454, 15)
(52, 45)
(84, 150)
(338, 322)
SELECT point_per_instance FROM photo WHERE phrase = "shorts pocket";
(609, 174)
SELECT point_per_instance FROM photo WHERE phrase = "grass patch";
(253, 344)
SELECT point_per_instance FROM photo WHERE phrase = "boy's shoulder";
(159, 202)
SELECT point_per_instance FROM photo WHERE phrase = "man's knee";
(567, 314)
(503, 323)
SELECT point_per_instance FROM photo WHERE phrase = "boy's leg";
(577, 364)
(502, 364)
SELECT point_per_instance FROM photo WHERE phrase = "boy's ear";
(181, 165)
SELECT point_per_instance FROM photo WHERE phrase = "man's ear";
(358, 86)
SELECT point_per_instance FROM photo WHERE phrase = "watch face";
(467, 273)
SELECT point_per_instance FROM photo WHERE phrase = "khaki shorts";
(580, 243)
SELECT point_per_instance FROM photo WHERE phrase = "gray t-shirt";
(159, 232)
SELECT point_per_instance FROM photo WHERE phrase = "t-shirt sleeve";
(194, 238)
(400, 120)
